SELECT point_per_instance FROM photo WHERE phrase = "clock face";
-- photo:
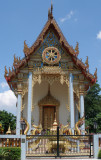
(51, 55)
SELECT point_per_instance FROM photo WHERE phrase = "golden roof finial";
(51, 7)
(86, 62)
(95, 74)
(15, 60)
(9, 71)
(77, 48)
(50, 11)
(26, 49)
(6, 72)
(12, 69)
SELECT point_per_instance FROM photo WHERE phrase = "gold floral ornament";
(51, 55)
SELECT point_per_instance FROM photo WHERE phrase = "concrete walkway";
(75, 158)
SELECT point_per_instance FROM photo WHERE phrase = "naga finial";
(95, 74)
(6, 72)
(26, 49)
(12, 69)
(9, 71)
(86, 62)
(77, 49)
(15, 60)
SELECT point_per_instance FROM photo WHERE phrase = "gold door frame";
(49, 100)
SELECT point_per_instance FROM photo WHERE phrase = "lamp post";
(95, 127)
(23, 124)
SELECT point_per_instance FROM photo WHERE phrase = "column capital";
(30, 66)
(19, 88)
(81, 78)
(70, 65)
(81, 89)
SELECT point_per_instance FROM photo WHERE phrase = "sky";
(79, 20)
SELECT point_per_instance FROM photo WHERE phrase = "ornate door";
(48, 116)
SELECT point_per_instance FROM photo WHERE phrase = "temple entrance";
(48, 116)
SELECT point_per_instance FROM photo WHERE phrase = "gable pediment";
(51, 36)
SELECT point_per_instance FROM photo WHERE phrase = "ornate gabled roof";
(28, 51)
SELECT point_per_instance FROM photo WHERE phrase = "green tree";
(7, 119)
(93, 107)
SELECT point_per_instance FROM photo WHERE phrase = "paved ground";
(62, 158)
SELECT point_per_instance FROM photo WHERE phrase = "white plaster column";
(71, 96)
(29, 100)
(19, 102)
(82, 110)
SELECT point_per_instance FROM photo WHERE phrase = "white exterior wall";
(39, 92)
(58, 91)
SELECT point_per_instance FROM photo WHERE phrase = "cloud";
(67, 17)
(99, 35)
(8, 101)
(4, 85)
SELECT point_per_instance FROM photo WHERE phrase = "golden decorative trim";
(51, 70)
(49, 100)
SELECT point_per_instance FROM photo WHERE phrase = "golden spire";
(9, 130)
(51, 7)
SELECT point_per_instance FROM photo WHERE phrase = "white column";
(82, 111)
(29, 100)
(19, 101)
(71, 95)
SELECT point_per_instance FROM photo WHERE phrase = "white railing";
(16, 142)
(97, 146)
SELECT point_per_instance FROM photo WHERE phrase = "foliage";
(7, 119)
(93, 108)
(99, 154)
(10, 153)
(3, 154)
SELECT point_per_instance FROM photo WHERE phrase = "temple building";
(50, 82)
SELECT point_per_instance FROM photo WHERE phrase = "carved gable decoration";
(50, 40)
(49, 100)
(65, 56)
